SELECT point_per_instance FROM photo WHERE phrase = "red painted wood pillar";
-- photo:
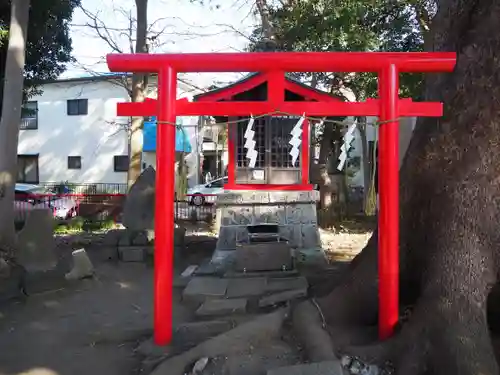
(388, 215)
(232, 162)
(306, 126)
(164, 207)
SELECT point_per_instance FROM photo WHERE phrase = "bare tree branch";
(98, 26)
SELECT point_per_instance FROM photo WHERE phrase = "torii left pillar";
(165, 198)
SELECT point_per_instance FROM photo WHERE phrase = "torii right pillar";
(388, 217)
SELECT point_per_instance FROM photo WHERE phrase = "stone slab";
(276, 298)
(112, 237)
(273, 274)
(131, 253)
(319, 368)
(213, 307)
(269, 256)
(251, 287)
(182, 280)
(283, 284)
(201, 288)
(141, 238)
(206, 269)
(189, 270)
(196, 332)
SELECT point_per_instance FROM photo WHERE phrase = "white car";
(199, 194)
(28, 197)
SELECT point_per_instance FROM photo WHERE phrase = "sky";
(183, 26)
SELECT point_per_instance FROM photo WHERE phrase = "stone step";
(284, 284)
(319, 368)
(274, 274)
(132, 253)
(214, 307)
(201, 288)
(288, 295)
(254, 287)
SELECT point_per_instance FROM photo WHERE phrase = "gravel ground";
(344, 244)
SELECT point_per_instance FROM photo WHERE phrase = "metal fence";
(197, 207)
(85, 188)
(91, 207)
(105, 207)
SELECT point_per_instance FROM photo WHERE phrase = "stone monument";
(137, 240)
(36, 243)
(138, 212)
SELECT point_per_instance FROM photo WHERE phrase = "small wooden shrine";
(267, 152)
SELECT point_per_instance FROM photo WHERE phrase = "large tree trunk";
(138, 90)
(11, 117)
(449, 216)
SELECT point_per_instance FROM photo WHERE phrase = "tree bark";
(365, 159)
(267, 28)
(11, 117)
(449, 254)
(325, 151)
(139, 82)
(424, 19)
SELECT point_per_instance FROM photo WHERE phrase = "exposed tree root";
(354, 302)
(439, 339)
(250, 334)
(310, 328)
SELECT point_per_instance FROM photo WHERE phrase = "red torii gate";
(388, 108)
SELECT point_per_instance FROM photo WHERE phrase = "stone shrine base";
(293, 211)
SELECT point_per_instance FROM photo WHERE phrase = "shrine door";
(274, 164)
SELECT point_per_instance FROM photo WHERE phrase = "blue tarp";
(182, 143)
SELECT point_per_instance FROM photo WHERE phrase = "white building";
(71, 132)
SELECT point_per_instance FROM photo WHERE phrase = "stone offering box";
(264, 250)
(294, 212)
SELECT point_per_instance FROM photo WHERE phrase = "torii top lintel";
(281, 62)
(284, 61)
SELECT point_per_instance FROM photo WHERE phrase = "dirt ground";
(89, 328)
(94, 325)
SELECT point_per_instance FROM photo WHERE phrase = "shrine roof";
(253, 80)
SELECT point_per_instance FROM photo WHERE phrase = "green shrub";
(76, 224)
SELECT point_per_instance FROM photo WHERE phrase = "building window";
(74, 162)
(27, 169)
(121, 163)
(29, 116)
(78, 107)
